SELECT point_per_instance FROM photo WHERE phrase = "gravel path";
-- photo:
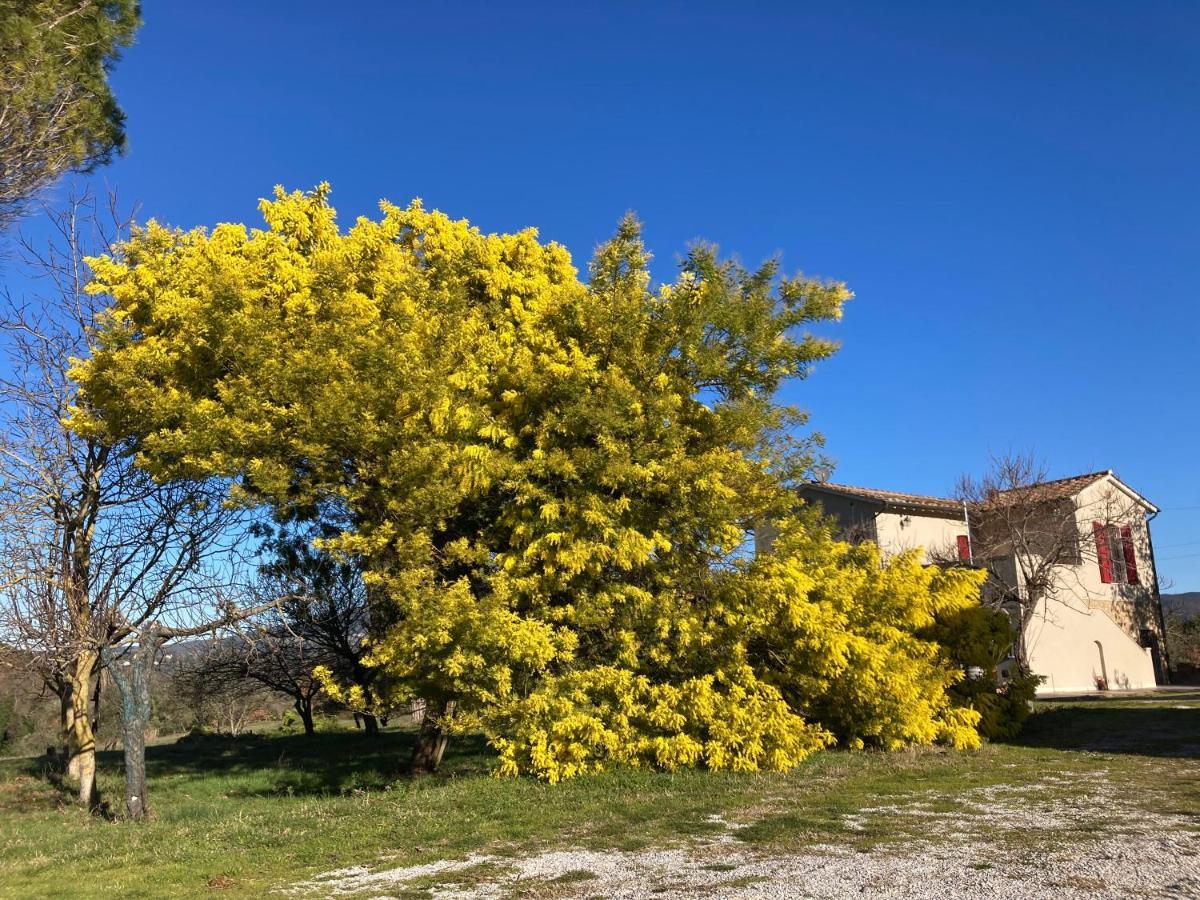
(952, 855)
(1165, 866)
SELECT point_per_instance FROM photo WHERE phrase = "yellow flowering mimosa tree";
(550, 481)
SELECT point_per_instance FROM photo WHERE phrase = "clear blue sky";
(1010, 188)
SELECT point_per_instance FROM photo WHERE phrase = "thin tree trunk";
(1028, 610)
(432, 738)
(96, 701)
(132, 678)
(65, 716)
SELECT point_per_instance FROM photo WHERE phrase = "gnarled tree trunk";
(78, 733)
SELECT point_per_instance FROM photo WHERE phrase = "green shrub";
(1003, 707)
(323, 723)
(978, 639)
(198, 732)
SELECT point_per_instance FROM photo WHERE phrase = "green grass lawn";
(239, 817)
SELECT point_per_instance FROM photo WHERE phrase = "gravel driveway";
(1009, 844)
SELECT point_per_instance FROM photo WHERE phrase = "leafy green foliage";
(980, 638)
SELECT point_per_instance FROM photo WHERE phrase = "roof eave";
(940, 510)
(1134, 495)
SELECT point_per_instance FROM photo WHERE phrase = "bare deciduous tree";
(132, 676)
(92, 549)
(1033, 538)
(267, 657)
(321, 621)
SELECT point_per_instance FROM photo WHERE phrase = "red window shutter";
(964, 547)
(1102, 554)
(1131, 574)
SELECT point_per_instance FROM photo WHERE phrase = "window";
(1115, 553)
(964, 547)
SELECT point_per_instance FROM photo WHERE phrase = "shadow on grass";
(1146, 731)
(317, 764)
(271, 765)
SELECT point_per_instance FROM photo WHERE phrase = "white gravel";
(953, 855)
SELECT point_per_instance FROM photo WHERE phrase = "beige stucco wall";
(1083, 614)
(1105, 501)
(908, 531)
(1064, 641)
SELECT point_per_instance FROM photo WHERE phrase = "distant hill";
(1186, 606)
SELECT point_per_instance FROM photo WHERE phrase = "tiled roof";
(1059, 489)
(892, 498)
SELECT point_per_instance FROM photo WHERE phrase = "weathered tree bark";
(62, 690)
(432, 738)
(132, 678)
(96, 700)
(133, 739)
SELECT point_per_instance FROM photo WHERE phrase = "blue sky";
(1010, 189)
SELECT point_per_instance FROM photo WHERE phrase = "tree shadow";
(263, 765)
(317, 764)
(48, 771)
(1152, 730)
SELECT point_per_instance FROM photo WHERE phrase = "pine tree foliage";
(57, 109)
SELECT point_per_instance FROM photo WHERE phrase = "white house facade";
(1097, 625)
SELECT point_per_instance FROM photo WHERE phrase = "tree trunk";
(432, 738)
(80, 738)
(1028, 611)
(131, 675)
(371, 724)
(133, 739)
(60, 753)
(304, 710)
